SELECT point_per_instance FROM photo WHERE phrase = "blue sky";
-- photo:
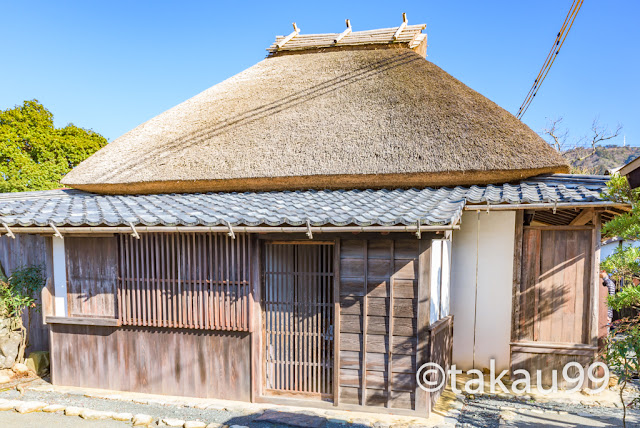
(111, 65)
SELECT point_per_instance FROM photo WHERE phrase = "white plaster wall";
(483, 245)
(445, 297)
(436, 278)
(59, 278)
(607, 249)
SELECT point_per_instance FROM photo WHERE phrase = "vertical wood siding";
(441, 353)
(555, 286)
(378, 322)
(553, 306)
(191, 363)
(27, 250)
(92, 274)
(185, 280)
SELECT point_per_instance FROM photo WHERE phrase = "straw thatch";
(325, 119)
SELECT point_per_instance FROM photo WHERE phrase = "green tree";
(622, 346)
(34, 154)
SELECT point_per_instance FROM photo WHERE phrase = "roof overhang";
(327, 211)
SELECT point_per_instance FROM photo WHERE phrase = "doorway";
(299, 319)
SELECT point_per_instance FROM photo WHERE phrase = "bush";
(17, 293)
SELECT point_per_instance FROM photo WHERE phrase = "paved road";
(52, 420)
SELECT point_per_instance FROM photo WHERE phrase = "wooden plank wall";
(553, 309)
(92, 275)
(192, 363)
(556, 283)
(545, 361)
(441, 353)
(27, 250)
(378, 322)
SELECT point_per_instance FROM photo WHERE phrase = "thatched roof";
(323, 118)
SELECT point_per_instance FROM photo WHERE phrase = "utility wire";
(551, 56)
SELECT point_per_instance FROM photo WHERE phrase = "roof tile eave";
(369, 207)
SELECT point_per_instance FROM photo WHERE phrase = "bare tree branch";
(558, 136)
(600, 133)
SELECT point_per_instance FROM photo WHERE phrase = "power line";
(551, 56)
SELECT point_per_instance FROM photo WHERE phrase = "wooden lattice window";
(185, 280)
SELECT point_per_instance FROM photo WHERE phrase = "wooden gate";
(553, 305)
(298, 319)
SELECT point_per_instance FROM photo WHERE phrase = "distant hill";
(605, 158)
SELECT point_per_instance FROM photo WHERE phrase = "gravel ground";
(484, 411)
(481, 411)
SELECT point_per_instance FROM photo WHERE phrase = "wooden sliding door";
(298, 319)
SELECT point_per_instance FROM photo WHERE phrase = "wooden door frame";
(258, 378)
(591, 326)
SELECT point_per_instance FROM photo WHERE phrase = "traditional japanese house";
(312, 231)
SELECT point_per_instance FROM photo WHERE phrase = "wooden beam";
(390, 315)
(255, 320)
(422, 405)
(344, 33)
(554, 345)
(363, 378)
(517, 276)
(9, 232)
(98, 321)
(401, 27)
(336, 322)
(583, 218)
(595, 278)
(282, 42)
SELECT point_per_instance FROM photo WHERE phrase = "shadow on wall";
(553, 306)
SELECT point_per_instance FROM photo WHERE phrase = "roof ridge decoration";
(404, 34)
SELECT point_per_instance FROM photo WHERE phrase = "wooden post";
(336, 323)
(595, 278)
(517, 278)
(255, 319)
(59, 278)
(363, 377)
(390, 315)
(424, 302)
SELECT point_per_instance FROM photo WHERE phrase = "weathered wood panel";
(555, 286)
(541, 364)
(378, 321)
(195, 363)
(441, 353)
(92, 275)
(552, 316)
(185, 280)
(28, 250)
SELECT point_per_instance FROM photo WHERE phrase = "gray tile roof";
(330, 207)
